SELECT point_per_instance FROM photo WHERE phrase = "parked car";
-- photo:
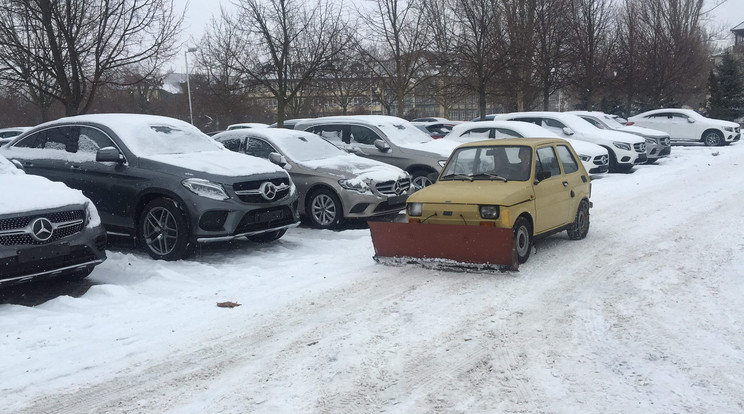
(332, 184)
(161, 180)
(436, 130)
(658, 144)
(288, 123)
(625, 150)
(47, 230)
(687, 125)
(431, 119)
(7, 134)
(594, 157)
(385, 138)
(534, 186)
(246, 125)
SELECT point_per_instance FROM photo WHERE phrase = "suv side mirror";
(382, 145)
(109, 154)
(18, 165)
(542, 175)
(568, 131)
(690, 120)
(278, 159)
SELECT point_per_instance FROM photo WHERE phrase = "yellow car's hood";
(476, 192)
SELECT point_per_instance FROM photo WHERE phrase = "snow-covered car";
(625, 150)
(430, 119)
(46, 229)
(332, 184)
(161, 180)
(687, 125)
(594, 157)
(7, 134)
(437, 129)
(246, 125)
(388, 139)
(658, 143)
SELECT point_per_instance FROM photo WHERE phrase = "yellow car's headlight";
(489, 212)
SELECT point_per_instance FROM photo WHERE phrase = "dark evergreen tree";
(726, 90)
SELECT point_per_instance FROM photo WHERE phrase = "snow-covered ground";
(646, 315)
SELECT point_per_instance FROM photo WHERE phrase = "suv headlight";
(650, 141)
(205, 188)
(414, 209)
(622, 145)
(489, 212)
(442, 163)
(729, 129)
(585, 158)
(354, 185)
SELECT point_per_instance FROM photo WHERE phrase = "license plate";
(397, 199)
(40, 253)
(269, 216)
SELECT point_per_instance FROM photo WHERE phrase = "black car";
(46, 229)
(161, 180)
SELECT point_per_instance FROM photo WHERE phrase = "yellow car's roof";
(530, 142)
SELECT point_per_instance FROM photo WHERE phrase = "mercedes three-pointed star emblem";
(41, 229)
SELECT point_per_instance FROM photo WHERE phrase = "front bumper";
(370, 205)
(222, 220)
(24, 263)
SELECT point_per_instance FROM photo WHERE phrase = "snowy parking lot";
(645, 315)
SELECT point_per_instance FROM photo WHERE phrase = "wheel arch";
(153, 194)
(716, 130)
(315, 187)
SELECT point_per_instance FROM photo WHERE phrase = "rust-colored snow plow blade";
(449, 246)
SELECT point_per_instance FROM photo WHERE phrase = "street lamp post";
(188, 82)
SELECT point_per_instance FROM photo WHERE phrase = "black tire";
(522, 239)
(267, 237)
(713, 138)
(162, 230)
(580, 226)
(420, 179)
(324, 209)
(613, 161)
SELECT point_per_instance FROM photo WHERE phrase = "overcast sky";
(727, 15)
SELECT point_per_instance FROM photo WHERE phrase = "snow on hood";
(585, 147)
(221, 162)
(22, 193)
(440, 147)
(352, 167)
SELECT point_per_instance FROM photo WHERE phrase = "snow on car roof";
(525, 129)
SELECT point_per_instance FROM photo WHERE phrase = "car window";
(536, 121)
(552, 123)
(679, 116)
(90, 140)
(662, 115)
(258, 148)
(363, 135)
(331, 133)
(506, 133)
(547, 161)
(478, 133)
(594, 122)
(233, 144)
(567, 159)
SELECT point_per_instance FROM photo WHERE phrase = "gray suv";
(161, 180)
(388, 139)
(46, 229)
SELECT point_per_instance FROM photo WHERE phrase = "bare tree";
(396, 47)
(284, 44)
(68, 49)
(590, 48)
(551, 31)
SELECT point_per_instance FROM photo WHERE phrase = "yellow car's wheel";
(522, 239)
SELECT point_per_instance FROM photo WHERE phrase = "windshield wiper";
(458, 177)
(491, 176)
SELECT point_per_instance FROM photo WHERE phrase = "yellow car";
(535, 186)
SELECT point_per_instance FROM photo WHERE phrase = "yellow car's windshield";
(505, 163)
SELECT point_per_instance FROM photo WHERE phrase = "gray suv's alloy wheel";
(420, 179)
(163, 231)
(324, 209)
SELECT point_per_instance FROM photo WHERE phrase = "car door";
(681, 128)
(659, 121)
(336, 134)
(45, 153)
(574, 177)
(362, 141)
(552, 195)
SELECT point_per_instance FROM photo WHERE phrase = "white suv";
(625, 150)
(688, 125)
